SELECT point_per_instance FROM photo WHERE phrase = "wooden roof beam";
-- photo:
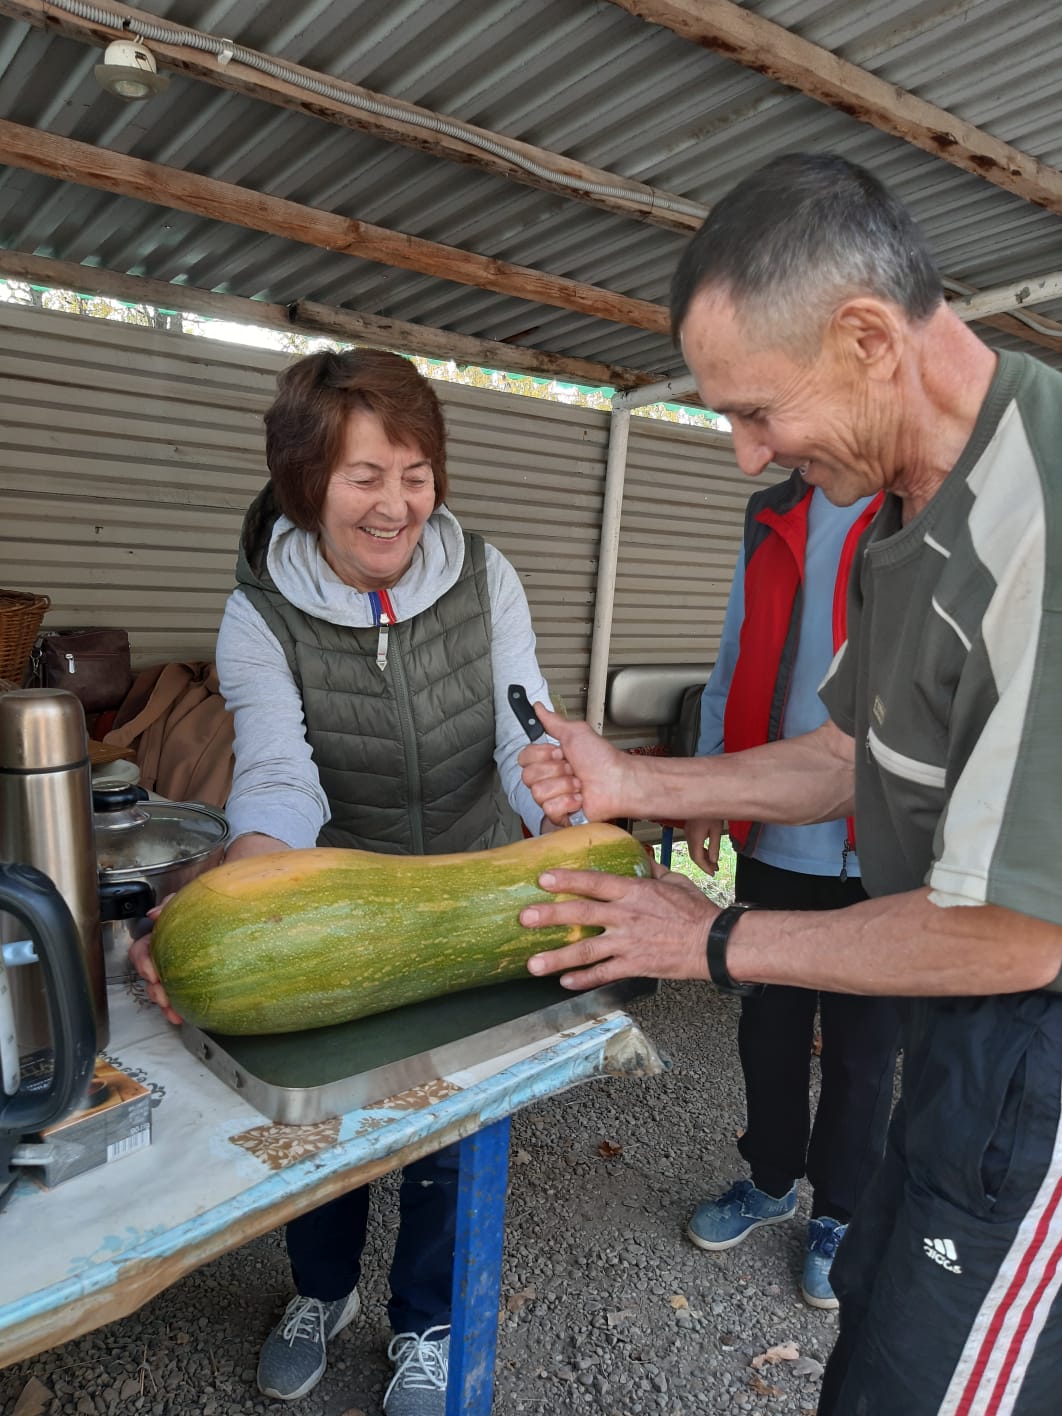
(738, 34)
(720, 25)
(1011, 325)
(644, 203)
(248, 82)
(352, 326)
(90, 166)
(309, 317)
(1018, 296)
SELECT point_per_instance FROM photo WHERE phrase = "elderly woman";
(366, 655)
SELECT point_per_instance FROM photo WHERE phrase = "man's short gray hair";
(795, 239)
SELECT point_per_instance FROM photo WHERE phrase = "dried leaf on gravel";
(784, 1352)
(609, 1150)
(353, 1411)
(677, 1301)
(34, 1399)
(522, 1157)
(516, 1301)
(762, 1388)
(619, 1316)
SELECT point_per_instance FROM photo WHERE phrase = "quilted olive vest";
(405, 754)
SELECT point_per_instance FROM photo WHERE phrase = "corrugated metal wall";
(127, 458)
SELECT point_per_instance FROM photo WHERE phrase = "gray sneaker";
(294, 1355)
(422, 1365)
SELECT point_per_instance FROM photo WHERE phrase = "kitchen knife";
(529, 721)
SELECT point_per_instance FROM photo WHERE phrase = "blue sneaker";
(722, 1223)
(824, 1235)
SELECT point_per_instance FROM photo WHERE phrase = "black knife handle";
(534, 729)
(525, 713)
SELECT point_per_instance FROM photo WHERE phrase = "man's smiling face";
(819, 413)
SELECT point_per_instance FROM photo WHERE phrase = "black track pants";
(950, 1274)
(841, 1149)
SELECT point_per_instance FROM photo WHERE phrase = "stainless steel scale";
(299, 1078)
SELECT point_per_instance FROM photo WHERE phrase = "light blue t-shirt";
(810, 850)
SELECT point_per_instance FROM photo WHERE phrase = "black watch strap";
(718, 939)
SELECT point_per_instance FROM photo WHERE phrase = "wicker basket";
(20, 619)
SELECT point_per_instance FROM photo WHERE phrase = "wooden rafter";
(242, 78)
(90, 166)
(738, 34)
(310, 317)
(1009, 325)
(720, 25)
(170, 187)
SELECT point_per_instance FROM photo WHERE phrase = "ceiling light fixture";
(128, 71)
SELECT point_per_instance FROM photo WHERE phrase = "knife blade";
(532, 726)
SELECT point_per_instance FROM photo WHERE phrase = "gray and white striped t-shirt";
(951, 681)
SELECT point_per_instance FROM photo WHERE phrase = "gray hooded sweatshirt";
(276, 789)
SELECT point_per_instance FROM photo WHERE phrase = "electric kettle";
(53, 944)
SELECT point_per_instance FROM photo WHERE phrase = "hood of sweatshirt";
(297, 568)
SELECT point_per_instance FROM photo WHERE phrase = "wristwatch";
(718, 939)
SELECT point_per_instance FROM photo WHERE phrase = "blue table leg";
(667, 835)
(477, 1270)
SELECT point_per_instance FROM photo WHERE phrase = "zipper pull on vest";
(384, 615)
(381, 645)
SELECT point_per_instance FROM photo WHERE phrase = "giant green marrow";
(302, 939)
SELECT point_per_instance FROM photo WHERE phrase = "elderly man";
(810, 311)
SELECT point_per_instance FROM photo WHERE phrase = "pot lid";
(170, 833)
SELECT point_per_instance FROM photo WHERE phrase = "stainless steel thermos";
(46, 822)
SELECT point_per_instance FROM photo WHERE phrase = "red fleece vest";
(774, 574)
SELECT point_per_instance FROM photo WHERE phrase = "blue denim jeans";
(325, 1246)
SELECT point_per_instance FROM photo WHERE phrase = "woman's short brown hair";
(306, 422)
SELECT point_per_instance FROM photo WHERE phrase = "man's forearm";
(793, 782)
(899, 945)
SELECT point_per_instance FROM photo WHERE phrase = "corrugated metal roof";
(580, 77)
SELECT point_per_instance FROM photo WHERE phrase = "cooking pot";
(146, 848)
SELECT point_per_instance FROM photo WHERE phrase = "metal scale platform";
(300, 1078)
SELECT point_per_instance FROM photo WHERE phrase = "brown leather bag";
(93, 663)
(175, 720)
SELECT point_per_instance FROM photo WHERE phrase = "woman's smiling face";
(379, 496)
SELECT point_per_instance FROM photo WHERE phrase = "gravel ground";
(606, 1306)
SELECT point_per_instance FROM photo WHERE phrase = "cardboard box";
(114, 1122)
